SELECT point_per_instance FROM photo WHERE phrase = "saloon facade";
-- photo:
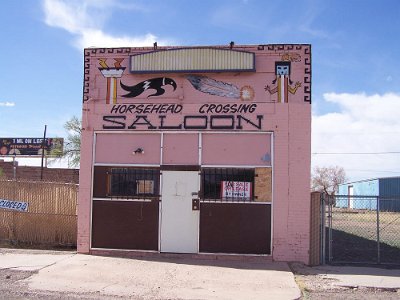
(196, 150)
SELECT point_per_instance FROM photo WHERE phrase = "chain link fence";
(51, 214)
(361, 229)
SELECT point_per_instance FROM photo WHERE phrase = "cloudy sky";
(355, 50)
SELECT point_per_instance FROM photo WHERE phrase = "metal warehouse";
(382, 191)
(200, 150)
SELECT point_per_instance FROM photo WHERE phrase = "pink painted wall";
(289, 122)
(118, 148)
(236, 149)
(181, 149)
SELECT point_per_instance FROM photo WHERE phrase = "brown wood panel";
(180, 168)
(235, 228)
(125, 225)
(34, 173)
(100, 183)
(263, 185)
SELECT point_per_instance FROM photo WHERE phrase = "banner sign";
(31, 146)
(240, 190)
(14, 205)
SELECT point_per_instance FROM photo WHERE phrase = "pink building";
(197, 150)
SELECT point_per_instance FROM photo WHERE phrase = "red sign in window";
(236, 190)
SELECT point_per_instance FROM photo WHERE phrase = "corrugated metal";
(389, 187)
(389, 192)
(360, 188)
(193, 60)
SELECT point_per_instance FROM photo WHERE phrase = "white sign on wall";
(236, 190)
(14, 205)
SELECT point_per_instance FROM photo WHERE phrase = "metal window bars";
(227, 184)
(134, 183)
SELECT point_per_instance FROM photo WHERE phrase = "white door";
(351, 198)
(179, 223)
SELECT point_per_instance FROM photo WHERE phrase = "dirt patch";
(314, 285)
(354, 236)
(33, 246)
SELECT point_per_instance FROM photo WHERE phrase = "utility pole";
(43, 143)
(14, 167)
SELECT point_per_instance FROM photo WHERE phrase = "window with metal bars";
(227, 184)
(134, 183)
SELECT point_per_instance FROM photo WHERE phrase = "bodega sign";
(209, 116)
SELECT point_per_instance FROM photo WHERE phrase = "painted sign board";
(14, 205)
(239, 190)
(31, 146)
(183, 89)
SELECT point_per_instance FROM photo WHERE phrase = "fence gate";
(360, 229)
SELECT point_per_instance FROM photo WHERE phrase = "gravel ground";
(316, 286)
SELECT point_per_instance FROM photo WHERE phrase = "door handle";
(195, 204)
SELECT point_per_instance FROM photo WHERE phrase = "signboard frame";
(31, 147)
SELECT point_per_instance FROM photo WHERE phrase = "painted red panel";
(181, 149)
(236, 149)
(119, 148)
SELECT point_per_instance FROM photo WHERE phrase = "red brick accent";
(33, 173)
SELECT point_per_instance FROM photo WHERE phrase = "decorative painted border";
(307, 62)
(86, 77)
(308, 74)
(87, 61)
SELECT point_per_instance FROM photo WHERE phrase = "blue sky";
(355, 60)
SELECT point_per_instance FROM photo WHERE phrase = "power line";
(380, 171)
(355, 153)
(357, 132)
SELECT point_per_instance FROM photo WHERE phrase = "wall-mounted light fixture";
(138, 151)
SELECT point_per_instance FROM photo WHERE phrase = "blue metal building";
(386, 190)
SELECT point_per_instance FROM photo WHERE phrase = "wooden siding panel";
(235, 228)
(125, 225)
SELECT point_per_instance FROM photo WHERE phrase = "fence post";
(377, 229)
(323, 231)
(315, 229)
(329, 228)
(13, 226)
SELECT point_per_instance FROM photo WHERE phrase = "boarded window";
(263, 185)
